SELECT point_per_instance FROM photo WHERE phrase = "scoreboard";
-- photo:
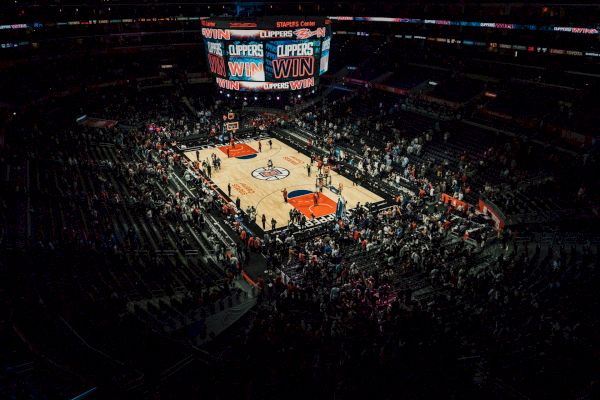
(269, 54)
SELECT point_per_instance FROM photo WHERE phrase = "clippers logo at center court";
(273, 174)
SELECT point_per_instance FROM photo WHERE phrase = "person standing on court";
(209, 170)
(316, 198)
(229, 189)
(270, 144)
(264, 221)
(308, 169)
(259, 146)
(285, 193)
(232, 142)
(273, 223)
(238, 202)
(197, 155)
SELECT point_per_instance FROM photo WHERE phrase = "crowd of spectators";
(107, 217)
(352, 295)
(438, 157)
(416, 292)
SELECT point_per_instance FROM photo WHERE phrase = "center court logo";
(274, 174)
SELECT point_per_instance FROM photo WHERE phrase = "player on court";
(270, 164)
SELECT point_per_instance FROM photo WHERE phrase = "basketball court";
(245, 168)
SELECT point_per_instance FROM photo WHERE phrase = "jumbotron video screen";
(271, 54)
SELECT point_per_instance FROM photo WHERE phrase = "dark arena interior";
(299, 199)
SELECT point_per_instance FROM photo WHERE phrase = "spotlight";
(299, 95)
(228, 95)
(277, 97)
(255, 98)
